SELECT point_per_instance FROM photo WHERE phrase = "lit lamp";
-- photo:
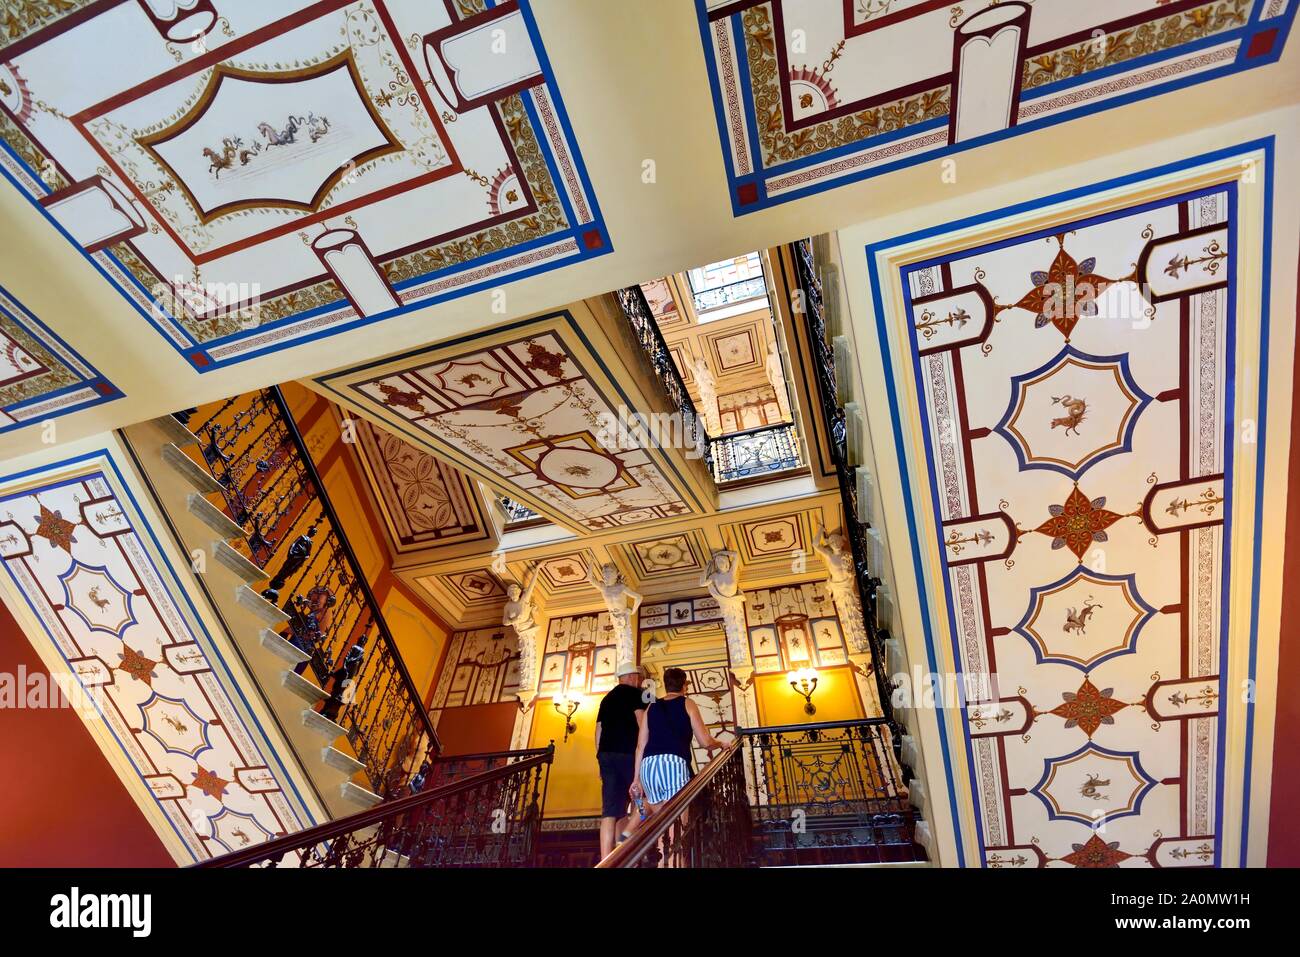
(804, 681)
(567, 705)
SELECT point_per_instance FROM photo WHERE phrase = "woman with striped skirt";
(663, 750)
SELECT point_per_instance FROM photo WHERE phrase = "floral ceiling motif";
(812, 94)
(424, 500)
(1075, 430)
(252, 179)
(75, 552)
(40, 375)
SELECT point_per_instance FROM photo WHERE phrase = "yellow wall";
(574, 788)
(836, 698)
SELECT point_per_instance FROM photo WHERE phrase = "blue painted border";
(68, 604)
(1254, 26)
(119, 485)
(574, 231)
(144, 711)
(1266, 145)
(36, 329)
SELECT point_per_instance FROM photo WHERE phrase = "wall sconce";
(804, 681)
(567, 705)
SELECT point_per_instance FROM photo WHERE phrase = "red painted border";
(1283, 835)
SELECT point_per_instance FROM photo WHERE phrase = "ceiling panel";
(283, 172)
(812, 94)
(1082, 434)
(41, 376)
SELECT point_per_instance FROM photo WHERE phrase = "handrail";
(435, 745)
(644, 838)
(330, 830)
(812, 726)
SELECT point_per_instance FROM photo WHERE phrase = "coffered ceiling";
(379, 178)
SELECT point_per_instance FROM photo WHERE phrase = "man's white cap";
(627, 668)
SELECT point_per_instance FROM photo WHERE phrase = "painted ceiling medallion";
(235, 831)
(1085, 618)
(1088, 708)
(302, 168)
(174, 725)
(1096, 853)
(94, 597)
(1093, 785)
(1072, 412)
(814, 94)
(1078, 523)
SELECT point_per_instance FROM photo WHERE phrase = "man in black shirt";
(618, 723)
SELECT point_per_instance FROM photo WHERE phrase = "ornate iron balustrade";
(833, 415)
(637, 311)
(827, 793)
(754, 452)
(251, 446)
(514, 512)
(742, 290)
(705, 824)
(490, 818)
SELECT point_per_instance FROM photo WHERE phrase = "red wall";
(61, 804)
(1283, 834)
(477, 728)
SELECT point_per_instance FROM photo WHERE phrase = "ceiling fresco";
(531, 409)
(250, 176)
(424, 501)
(1079, 389)
(78, 555)
(811, 94)
(41, 376)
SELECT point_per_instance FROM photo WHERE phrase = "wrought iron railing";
(514, 512)
(827, 793)
(486, 819)
(251, 446)
(639, 316)
(742, 290)
(756, 452)
(705, 824)
(811, 308)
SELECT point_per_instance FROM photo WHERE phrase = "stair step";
(175, 431)
(340, 761)
(317, 722)
(213, 517)
(194, 473)
(304, 688)
(363, 798)
(275, 644)
(238, 563)
(260, 607)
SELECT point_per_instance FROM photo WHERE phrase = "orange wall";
(574, 787)
(71, 811)
(836, 698)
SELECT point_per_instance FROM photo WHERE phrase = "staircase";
(270, 556)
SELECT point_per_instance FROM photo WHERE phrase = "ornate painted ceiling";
(41, 376)
(534, 409)
(425, 502)
(812, 94)
(1085, 461)
(250, 175)
(84, 565)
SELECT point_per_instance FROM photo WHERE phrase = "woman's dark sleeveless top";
(670, 729)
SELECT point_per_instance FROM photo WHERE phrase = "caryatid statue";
(776, 376)
(842, 581)
(707, 386)
(622, 603)
(519, 615)
(722, 578)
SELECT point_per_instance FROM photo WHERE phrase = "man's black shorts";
(615, 778)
